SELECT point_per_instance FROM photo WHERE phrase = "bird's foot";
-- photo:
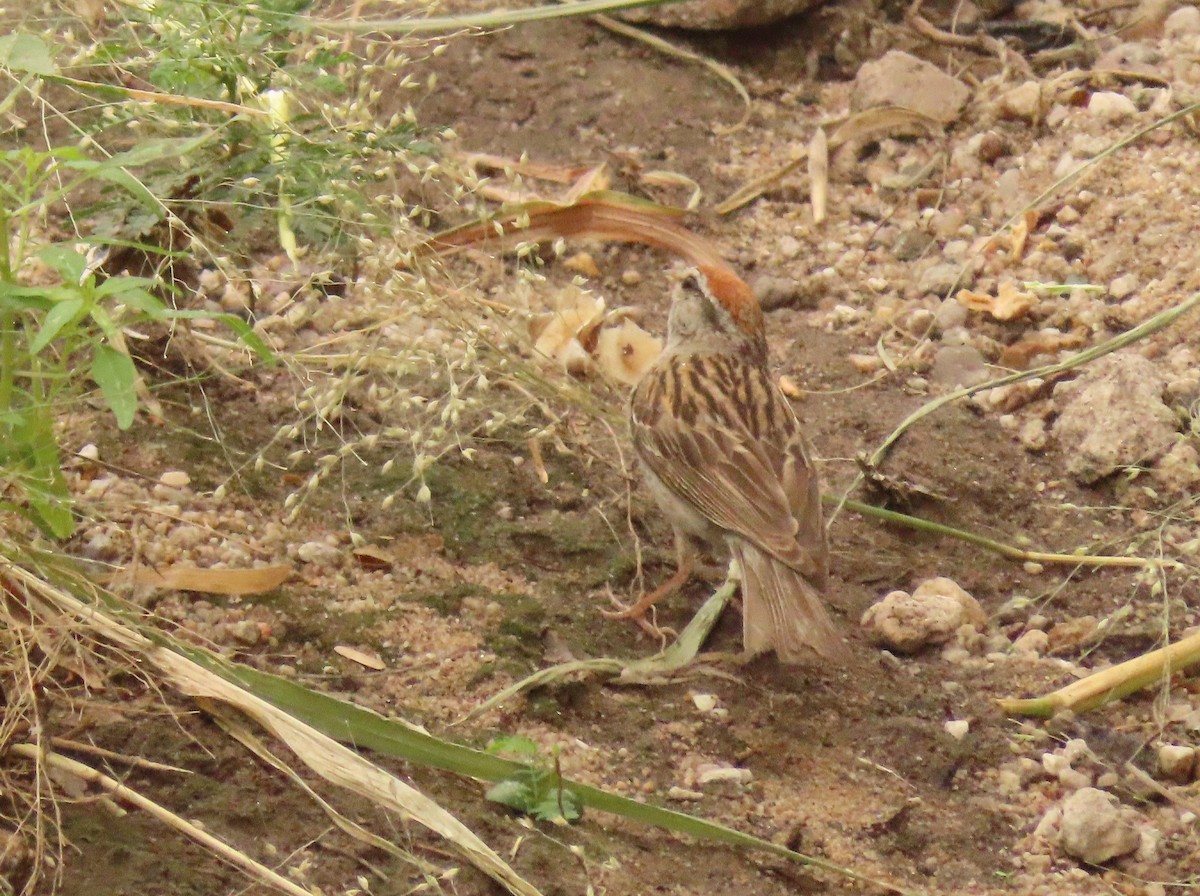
(638, 613)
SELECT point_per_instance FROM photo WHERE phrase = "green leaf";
(514, 794)
(26, 53)
(62, 314)
(67, 261)
(23, 298)
(116, 376)
(513, 743)
(29, 458)
(135, 297)
(564, 804)
(246, 333)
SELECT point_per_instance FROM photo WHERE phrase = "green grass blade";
(365, 729)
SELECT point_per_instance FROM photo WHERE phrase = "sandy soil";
(852, 764)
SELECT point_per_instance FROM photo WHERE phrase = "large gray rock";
(1113, 416)
(1095, 827)
(900, 79)
(716, 15)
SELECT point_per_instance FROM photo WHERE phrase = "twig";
(1008, 551)
(1165, 792)
(135, 761)
(1144, 329)
(120, 791)
(661, 664)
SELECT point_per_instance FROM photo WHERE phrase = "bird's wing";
(747, 478)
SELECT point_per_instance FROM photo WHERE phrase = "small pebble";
(957, 728)
(175, 479)
(1176, 763)
(711, 774)
(1111, 106)
(1183, 21)
(1024, 101)
(583, 263)
(1033, 642)
(1122, 287)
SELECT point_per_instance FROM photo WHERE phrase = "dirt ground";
(501, 571)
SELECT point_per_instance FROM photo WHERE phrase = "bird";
(726, 459)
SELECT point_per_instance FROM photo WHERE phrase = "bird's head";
(714, 306)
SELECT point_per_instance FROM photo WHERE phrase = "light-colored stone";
(175, 479)
(1033, 434)
(942, 277)
(1095, 827)
(709, 774)
(1183, 21)
(957, 728)
(1113, 415)
(716, 15)
(1122, 287)
(900, 79)
(1178, 471)
(1111, 106)
(1032, 642)
(1023, 102)
(1073, 779)
(950, 314)
(1176, 763)
(958, 365)
(930, 615)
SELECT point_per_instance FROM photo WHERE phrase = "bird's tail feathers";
(783, 611)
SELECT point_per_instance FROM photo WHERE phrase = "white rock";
(1033, 434)
(1176, 763)
(1054, 763)
(1023, 101)
(175, 479)
(957, 728)
(1075, 749)
(1122, 287)
(1185, 20)
(1149, 841)
(900, 79)
(1113, 415)
(709, 774)
(1095, 827)
(930, 615)
(705, 702)
(1111, 106)
(958, 365)
(318, 552)
(1033, 642)
(1073, 779)
(89, 452)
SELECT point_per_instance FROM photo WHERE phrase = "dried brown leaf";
(368, 660)
(211, 581)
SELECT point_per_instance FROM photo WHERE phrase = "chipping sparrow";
(724, 456)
